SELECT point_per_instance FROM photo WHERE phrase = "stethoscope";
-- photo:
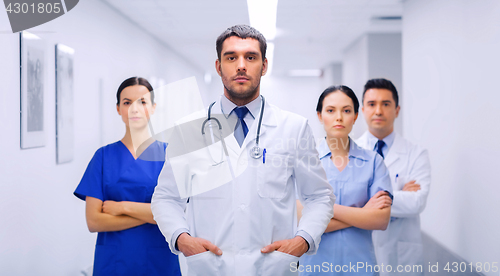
(255, 152)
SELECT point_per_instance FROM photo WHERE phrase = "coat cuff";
(308, 239)
(173, 241)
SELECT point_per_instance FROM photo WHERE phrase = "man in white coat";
(400, 245)
(248, 226)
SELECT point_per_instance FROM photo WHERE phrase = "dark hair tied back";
(135, 81)
(342, 88)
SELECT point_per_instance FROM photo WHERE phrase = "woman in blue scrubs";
(362, 185)
(117, 187)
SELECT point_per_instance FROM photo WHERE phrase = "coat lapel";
(268, 120)
(230, 140)
(362, 141)
(398, 148)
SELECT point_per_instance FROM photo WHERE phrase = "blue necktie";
(380, 144)
(241, 129)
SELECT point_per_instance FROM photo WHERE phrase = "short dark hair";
(241, 31)
(135, 81)
(342, 88)
(382, 84)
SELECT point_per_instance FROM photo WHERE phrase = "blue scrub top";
(114, 174)
(362, 178)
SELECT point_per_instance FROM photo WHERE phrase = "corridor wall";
(43, 225)
(450, 80)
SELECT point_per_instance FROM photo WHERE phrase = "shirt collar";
(228, 106)
(355, 151)
(388, 140)
(323, 149)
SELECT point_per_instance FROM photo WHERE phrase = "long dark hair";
(135, 81)
(342, 88)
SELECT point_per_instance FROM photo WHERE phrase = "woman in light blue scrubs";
(117, 187)
(362, 185)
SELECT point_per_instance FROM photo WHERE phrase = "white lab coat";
(401, 242)
(258, 207)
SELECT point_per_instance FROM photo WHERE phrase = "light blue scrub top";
(362, 178)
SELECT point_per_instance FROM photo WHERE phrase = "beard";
(247, 94)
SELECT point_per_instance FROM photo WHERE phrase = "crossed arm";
(116, 215)
(375, 215)
(411, 200)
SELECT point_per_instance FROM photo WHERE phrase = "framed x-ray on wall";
(64, 104)
(32, 91)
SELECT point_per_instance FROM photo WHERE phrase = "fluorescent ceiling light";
(262, 14)
(305, 73)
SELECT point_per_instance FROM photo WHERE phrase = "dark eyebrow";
(334, 106)
(127, 99)
(387, 101)
(248, 53)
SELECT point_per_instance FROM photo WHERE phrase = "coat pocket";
(400, 181)
(279, 264)
(203, 264)
(273, 176)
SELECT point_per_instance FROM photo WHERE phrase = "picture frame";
(32, 66)
(64, 103)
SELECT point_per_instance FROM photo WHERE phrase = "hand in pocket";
(191, 245)
(295, 247)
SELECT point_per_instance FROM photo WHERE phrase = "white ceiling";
(311, 33)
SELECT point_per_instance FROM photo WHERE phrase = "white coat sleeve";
(168, 207)
(313, 189)
(407, 204)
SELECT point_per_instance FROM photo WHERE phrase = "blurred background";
(442, 55)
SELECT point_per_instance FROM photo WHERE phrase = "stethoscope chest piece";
(256, 152)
